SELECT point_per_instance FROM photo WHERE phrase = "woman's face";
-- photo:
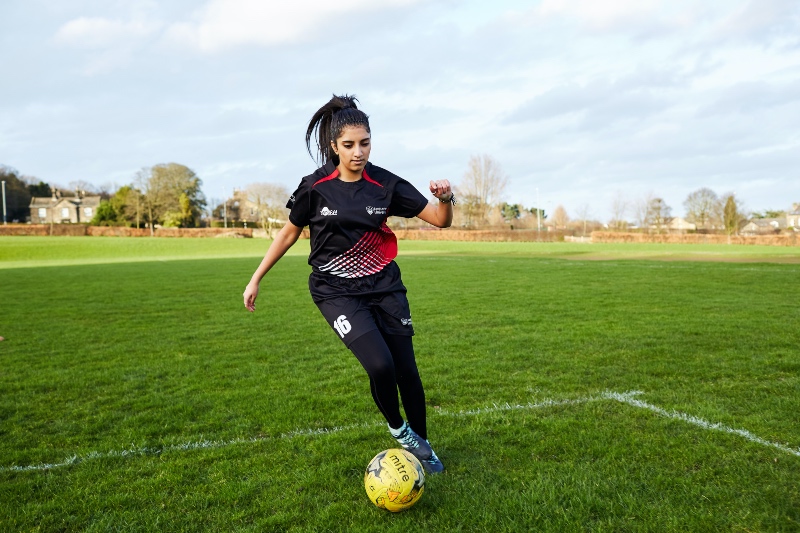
(353, 147)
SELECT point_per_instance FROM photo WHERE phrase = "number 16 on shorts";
(342, 326)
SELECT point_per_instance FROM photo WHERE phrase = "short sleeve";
(299, 205)
(407, 201)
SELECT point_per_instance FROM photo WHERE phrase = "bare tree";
(560, 217)
(269, 201)
(584, 212)
(151, 197)
(83, 187)
(642, 210)
(481, 188)
(700, 206)
(619, 209)
(659, 214)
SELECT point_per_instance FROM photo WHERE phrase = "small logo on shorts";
(342, 326)
(376, 210)
(328, 212)
(405, 321)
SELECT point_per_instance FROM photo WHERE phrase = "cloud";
(608, 14)
(224, 24)
(761, 20)
(98, 32)
(751, 98)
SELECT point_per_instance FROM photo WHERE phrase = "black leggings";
(390, 365)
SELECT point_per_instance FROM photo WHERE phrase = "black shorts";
(356, 306)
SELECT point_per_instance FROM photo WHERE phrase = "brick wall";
(114, 231)
(479, 235)
(694, 238)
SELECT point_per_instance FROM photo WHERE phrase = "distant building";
(64, 208)
(793, 218)
(681, 224)
(764, 226)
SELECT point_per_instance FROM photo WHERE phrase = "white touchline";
(627, 398)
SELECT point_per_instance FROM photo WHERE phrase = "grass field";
(570, 387)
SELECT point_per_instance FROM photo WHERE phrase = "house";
(681, 224)
(242, 208)
(793, 218)
(64, 208)
(764, 226)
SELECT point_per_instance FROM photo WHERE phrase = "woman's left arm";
(439, 214)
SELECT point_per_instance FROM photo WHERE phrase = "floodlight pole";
(538, 212)
(4, 202)
(225, 207)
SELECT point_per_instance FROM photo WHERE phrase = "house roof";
(47, 201)
(41, 201)
(769, 222)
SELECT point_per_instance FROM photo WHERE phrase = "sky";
(582, 102)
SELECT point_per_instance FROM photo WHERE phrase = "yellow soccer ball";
(394, 480)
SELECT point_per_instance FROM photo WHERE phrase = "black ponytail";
(328, 122)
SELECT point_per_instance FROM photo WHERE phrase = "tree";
(658, 214)
(584, 212)
(769, 213)
(700, 206)
(732, 214)
(269, 200)
(105, 215)
(18, 195)
(510, 212)
(40, 189)
(560, 217)
(171, 195)
(619, 208)
(642, 210)
(481, 188)
(127, 202)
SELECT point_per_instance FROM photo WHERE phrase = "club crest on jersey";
(376, 210)
(328, 212)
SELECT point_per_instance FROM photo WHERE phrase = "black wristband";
(451, 200)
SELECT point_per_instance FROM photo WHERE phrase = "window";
(42, 212)
(65, 212)
(87, 212)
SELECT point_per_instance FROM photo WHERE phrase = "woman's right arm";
(284, 240)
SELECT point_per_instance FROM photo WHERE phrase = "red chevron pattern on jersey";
(371, 253)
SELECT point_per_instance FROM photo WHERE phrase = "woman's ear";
(333, 146)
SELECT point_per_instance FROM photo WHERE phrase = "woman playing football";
(354, 280)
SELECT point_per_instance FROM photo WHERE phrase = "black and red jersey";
(347, 220)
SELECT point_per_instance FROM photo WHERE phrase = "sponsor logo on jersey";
(342, 326)
(405, 321)
(376, 210)
(328, 212)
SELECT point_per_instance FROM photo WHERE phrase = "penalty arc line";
(627, 398)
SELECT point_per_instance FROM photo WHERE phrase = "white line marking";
(627, 398)
(705, 424)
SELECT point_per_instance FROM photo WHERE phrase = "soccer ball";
(394, 480)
